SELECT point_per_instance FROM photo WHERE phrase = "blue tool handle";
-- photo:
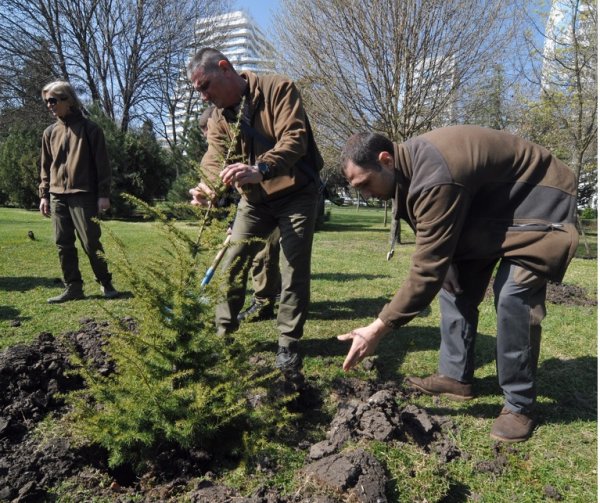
(208, 276)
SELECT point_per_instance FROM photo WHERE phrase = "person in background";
(75, 188)
(264, 270)
(477, 199)
(277, 178)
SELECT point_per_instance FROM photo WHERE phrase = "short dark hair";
(207, 59)
(363, 149)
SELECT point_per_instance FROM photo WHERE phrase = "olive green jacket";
(74, 158)
(284, 140)
(473, 193)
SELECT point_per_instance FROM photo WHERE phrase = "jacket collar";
(253, 96)
(403, 172)
(72, 118)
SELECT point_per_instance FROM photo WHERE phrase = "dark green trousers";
(266, 278)
(72, 215)
(294, 216)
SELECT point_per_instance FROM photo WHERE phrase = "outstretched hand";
(364, 342)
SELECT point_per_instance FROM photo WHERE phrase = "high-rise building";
(239, 38)
(568, 19)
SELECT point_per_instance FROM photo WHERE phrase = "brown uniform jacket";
(274, 110)
(472, 193)
(74, 158)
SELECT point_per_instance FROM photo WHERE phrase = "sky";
(260, 10)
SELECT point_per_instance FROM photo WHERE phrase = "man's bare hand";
(202, 195)
(103, 204)
(45, 206)
(364, 342)
(240, 174)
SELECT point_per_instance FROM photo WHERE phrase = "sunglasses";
(54, 101)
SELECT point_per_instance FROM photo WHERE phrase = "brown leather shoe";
(438, 384)
(512, 427)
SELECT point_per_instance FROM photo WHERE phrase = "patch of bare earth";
(562, 294)
(568, 295)
(33, 377)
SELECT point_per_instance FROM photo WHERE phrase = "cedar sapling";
(176, 382)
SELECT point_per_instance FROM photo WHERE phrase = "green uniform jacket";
(275, 111)
(472, 193)
(74, 158)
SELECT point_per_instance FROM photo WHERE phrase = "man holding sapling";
(276, 174)
(266, 278)
(477, 199)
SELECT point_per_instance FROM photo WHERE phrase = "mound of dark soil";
(568, 295)
(562, 294)
(32, 379)
(33, 461)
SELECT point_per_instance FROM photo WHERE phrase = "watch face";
(264, 169)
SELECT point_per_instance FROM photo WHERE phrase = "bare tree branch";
(117, 52)
(395, 66)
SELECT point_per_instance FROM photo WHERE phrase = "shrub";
(588, 214)
(20, 168)
(140, 166)
(177, 383)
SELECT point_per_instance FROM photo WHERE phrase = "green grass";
(351, 282)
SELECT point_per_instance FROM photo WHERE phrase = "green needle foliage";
(176, 382)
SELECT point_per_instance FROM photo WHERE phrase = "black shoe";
(74, 291)
(287, 361)
(108, 290)
(258, 311)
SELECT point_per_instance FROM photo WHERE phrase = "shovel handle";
(211, 270)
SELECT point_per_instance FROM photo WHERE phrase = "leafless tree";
(181, 100)
(394, 66)
(119, 53)
(564, 68)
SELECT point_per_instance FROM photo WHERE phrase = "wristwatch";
(264, 169)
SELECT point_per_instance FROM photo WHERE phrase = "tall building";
(568, 19)
(237, 36)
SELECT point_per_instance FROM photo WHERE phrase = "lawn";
(351, 282)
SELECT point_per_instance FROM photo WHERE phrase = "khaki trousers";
(72, 215)
(294, 217)
(266, 278)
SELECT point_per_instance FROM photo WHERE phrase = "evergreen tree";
(140, 167)
(177, 384)
(20, 168)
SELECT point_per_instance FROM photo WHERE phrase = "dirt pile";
(32, 377)
(562, 294)
(380, 418)
(31, 462)
(568, 295)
